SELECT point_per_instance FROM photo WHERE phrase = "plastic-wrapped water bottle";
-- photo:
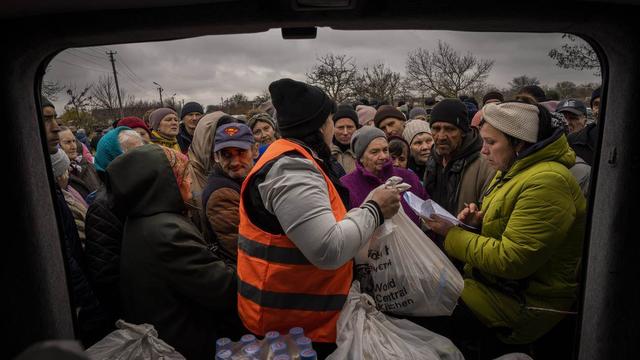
(271, 337)
(252, 351)
(282, 357)
(224, 354)
(303, 343)
(279, 348)
(308, 354)
(247, 339)
(223, 343)
(296, 332)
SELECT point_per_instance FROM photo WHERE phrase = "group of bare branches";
(442, 71)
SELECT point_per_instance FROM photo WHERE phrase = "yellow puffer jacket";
(520, 271)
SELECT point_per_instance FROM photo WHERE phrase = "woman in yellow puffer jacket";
(520, 272)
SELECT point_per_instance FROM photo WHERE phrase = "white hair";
(129, 139)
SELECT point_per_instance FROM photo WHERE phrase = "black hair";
(397, 147)
(224, 120)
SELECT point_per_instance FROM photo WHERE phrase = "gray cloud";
(207, 68)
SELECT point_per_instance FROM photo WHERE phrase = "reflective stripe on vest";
(278, 288)
(279, 300)
(272, 253)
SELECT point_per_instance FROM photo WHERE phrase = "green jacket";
(521, 269)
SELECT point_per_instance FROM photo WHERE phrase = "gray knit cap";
(59, 163)
(513, 118)
(363, 137)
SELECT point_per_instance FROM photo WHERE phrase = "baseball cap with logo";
(573, 106)
(233, 135)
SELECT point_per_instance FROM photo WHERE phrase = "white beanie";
(413, 128)
(59, 163)
(519, 120)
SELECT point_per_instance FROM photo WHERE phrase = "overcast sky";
(207, 68)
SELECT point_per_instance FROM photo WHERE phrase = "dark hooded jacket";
(463, 180)
(168, 276)
(184, 139)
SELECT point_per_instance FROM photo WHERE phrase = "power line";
(77, 65)
(83, 58)
(129, 69)
(88, 54)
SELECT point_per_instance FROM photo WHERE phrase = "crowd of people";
(210, 225)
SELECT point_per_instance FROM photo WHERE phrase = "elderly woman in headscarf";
(165, 128)
(60, 163)
(169, 277)
(521, 265)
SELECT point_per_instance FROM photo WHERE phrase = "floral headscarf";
(180, 166)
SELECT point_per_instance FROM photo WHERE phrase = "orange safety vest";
(278, 288)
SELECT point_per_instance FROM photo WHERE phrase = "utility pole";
(115, 77)
(160, 90)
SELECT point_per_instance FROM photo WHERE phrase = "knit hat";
(301, 108)
(191, 107)
(472, 109)
(157, 115)
(363, 137)
(595, 95)
(133, 122)
(264, 117)
(346, 111)
(60, 163)
(517, 119)
(417, 111)
(492, 96)
(108, 148)
(387, 111)
(413, 128)
(451, 111)
(366, 113)
(46, 102)
(430, 102)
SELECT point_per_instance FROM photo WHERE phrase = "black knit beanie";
(451, 111)
(387, 111)
(191, 107)
(346, 111)
(301, 109)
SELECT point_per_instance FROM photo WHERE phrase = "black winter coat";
(103, 230)
(168, 276)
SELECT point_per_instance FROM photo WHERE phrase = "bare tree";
(576, 54)
(335, 74)
(78, 107)
(445, 71)
(378, 82)
(50, 89)
(104, 96)
(521, 81)
(264, 96)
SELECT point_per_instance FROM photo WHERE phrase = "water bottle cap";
(224, 354)
(271, 335)
(248, 338)
(296, 331)
(303, 340)
(252, 349)
(308, 354)
(278, 346)
(223, 341)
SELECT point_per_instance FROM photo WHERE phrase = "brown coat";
(222, 214)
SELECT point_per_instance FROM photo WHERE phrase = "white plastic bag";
(364, 333)
(405, 272)
(132, 342)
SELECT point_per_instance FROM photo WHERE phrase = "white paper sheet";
(426, 208)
